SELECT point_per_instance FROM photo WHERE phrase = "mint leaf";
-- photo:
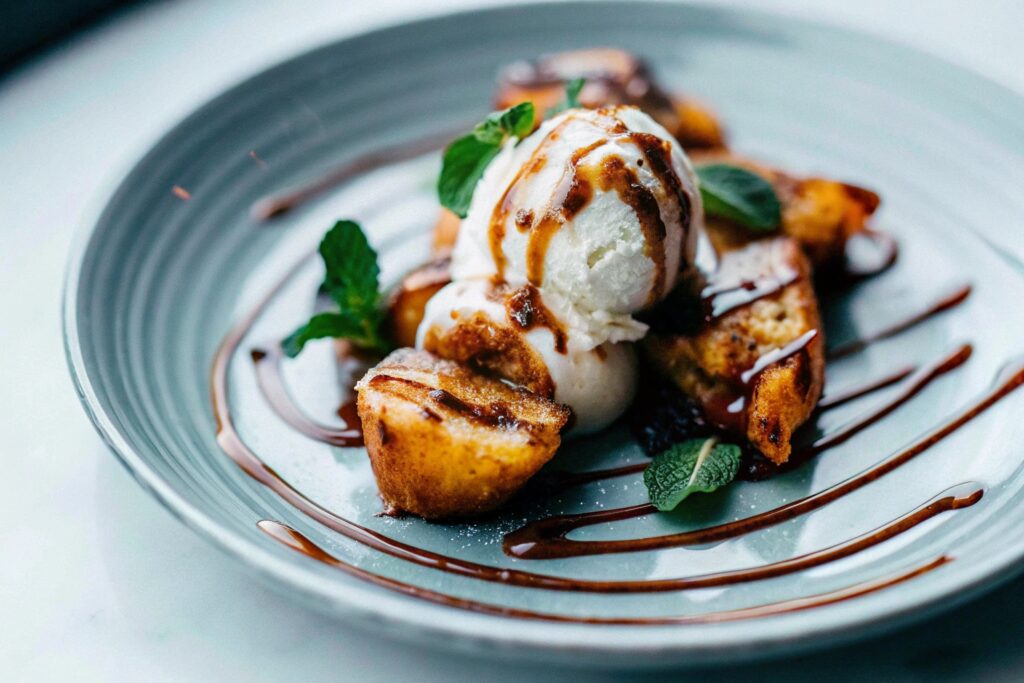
(463, 165)
(352, 280)
(572, 92)
(739, 195)
(572, 97)
(333, 325)
(352, 275)
(466, 159)
(516, 121)
(688, 467)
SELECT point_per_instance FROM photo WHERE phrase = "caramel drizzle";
(658, 154)
(500, 214)
(525, 309)
(616, 175)
(575, 190)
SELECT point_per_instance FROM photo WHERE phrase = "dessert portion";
(445, 441)
(575, 253)
(509, 333)
(408, 301)
(611, 77)
(756, 366)
(819, 213)
(589, 220)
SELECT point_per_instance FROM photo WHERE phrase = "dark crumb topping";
(663, 415)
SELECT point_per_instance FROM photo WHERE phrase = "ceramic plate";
(177, 259)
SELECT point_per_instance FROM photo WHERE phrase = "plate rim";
(411, 619)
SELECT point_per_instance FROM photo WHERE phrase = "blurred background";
(97, 582)
(26, 28)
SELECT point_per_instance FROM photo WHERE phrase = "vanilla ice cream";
(589, 220)
(597, 208)
(598, 384)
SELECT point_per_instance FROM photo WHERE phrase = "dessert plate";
(189, 271)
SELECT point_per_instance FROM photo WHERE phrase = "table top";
(84, 591)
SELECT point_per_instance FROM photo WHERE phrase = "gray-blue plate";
(161, 278)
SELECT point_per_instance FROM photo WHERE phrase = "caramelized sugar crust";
(445, 441)
(612, 77)
(499, 350)
(409, 299)
(820, 214)
(711, 365)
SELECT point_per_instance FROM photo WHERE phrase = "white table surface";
(97, 581)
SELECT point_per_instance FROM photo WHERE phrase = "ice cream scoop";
(589, 220)
(510, 332)
(599, 209)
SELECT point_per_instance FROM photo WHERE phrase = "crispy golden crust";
(409, 299)
(446, 442)
(696, 127)
(709, 366)
(818, 213)
(498, 350)
(612, 77)
(446, 229)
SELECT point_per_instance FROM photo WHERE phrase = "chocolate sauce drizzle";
(730, 411)
(575, 189)
(732, 293)
(951, 300)
(274, 206)
(298, 542)
(843, 396)
(268, 375)
(547, 538)
(559, 480)
(525, 309)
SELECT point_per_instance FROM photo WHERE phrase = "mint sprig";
(739, 195)
(572, 97)
(467, 157)
(352, 280)
(697, 465)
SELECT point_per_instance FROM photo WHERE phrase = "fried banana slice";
(818, 213)
(409, 299)
(756, 367)
(447, 442)
(612, 77)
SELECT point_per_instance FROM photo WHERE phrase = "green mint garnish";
(738, 195)
(466, 158)
(352, 281)
(688, 467)
(572, 97)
